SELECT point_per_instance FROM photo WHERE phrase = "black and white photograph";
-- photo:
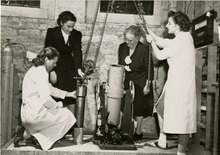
(110, 77)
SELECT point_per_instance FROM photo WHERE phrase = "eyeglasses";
(128, 40)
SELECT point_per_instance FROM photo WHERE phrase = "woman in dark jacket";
(134, 55)
(67, 41)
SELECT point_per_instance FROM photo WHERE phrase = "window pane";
(128, 7)
(23, 3)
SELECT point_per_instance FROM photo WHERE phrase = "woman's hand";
(60, 104)
(149, 38)
(53, 77)
(127, 68)
(71, 94)
(146, 89)
(80, 73)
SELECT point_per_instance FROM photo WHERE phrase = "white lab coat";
(180, 88)
(40, 113)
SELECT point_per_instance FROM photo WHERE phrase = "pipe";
(115, 93)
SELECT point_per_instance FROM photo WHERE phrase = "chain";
(110, 6)
(140, 12)
(92, 31)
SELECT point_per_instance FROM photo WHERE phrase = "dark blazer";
(143, 104)
(139, 65)
(71, 57)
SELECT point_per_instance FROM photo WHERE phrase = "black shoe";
(19, 139)
(35, 141)
(138, 136)
(19, 131)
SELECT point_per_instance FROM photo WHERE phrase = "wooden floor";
(67, 147)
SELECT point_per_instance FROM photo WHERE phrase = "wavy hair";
(66, 16)
(48, 52)
(181, 19)
(135, 30)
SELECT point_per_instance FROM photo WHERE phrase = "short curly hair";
(135, 30)
(181, 19)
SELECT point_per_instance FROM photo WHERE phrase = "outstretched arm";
(159, 41)
(155, 49)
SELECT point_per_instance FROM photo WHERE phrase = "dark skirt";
(143, 104)
(66, 81)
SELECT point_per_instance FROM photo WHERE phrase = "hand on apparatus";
(80, 73)
(71, 94)
(53, 77)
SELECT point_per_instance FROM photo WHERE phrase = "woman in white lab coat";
(43, 117)
(176, 108)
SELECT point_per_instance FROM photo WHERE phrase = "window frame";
(154, 19)
(46, 10)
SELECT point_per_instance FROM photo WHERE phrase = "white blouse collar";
(65, 36)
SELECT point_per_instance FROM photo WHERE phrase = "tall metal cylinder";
(6, 84)
(115, 93)
(81, 93)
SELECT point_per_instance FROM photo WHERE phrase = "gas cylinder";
(6, 85)
(115, 93)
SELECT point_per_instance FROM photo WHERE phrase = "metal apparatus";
(110, 136)
(109, 106)
(81, 92)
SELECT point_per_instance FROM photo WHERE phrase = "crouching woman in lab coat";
(43, 117)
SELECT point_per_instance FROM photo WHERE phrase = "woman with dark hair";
(67, 41)
(42, 117)
(134, 55)
(176, 107)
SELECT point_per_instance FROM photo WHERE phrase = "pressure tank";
(6, 92)
(115, 93)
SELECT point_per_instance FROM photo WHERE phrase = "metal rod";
(216, 121)
(10, 101)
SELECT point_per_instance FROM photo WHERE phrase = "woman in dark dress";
(67, 41)
(134, 55)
